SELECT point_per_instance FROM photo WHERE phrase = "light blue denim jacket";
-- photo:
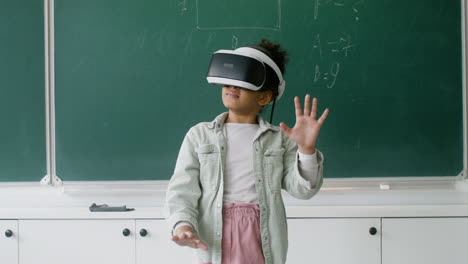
(195, 191)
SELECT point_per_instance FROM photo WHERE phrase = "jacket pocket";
(208, 156)
(274, 168)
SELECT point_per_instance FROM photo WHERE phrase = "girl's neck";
(240, 118)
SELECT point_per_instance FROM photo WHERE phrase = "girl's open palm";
(189, 239)
(307, 128)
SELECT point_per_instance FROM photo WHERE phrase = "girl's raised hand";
(307, 127)
(188, 238)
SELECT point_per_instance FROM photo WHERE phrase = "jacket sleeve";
(293, 182)
(184, 188)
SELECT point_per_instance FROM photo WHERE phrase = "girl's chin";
(230, 102)
(231, 106)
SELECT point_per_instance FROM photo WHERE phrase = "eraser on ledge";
(384, 186)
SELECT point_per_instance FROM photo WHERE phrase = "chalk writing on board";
(183, 7)
(355, 8)
(208, 20)
(342, 44)
(235, 42)
(331, 48)
(317, 45)
(337, 3)
(317, 73)
(335, 69)
(328, 76)
(316, 8)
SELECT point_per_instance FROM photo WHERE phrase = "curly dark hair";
(280, 57)
(278, 54)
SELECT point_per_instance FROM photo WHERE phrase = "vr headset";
(246, 67)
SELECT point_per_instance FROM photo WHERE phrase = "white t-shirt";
(239, 179)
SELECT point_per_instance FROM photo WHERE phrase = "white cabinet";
(9, 241)
(153, 245)
(99, 241)
(334, 241)
(311, 240)
(424, 240)
(77, 241)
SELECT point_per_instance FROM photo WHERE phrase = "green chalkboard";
(22, 101)
(130, 81)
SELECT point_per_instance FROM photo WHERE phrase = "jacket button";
(219, 205)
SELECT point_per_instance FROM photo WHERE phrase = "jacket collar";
(218, 123)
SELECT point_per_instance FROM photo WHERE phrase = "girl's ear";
(264, 98)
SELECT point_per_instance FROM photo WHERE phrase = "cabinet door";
(9, 241)
(77, 241)
(334, 241)
(424, 240)
(156, 246)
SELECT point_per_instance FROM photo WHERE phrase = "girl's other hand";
(185, 237)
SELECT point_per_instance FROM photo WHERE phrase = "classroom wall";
(334, 192)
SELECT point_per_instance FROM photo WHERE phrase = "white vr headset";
(245, 67)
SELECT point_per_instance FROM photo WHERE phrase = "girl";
(224, 198)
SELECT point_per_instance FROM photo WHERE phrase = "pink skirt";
(241, 242)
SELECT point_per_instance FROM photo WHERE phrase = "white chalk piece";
(384, 186)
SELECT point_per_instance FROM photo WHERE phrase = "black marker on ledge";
(105, 208)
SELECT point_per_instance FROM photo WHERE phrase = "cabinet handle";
(373, 231)
(126, 232)
(143, 232)
(8, 233)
